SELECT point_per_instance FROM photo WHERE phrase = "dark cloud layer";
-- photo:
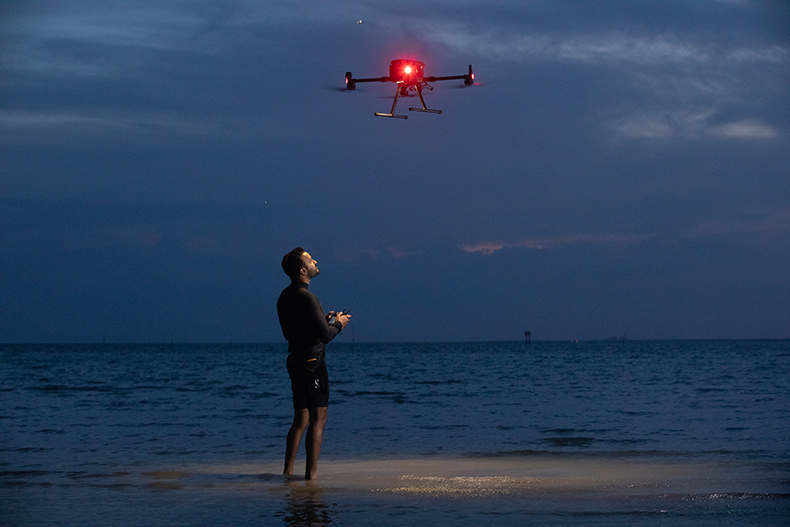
(620, 168)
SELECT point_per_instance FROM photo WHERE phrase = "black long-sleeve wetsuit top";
(303, 322)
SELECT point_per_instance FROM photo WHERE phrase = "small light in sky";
(360, 21)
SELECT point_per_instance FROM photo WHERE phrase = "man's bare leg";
(315, 435)
(301, 420)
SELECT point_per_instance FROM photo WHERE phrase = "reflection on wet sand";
(305, 505)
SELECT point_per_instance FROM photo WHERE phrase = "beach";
(600, 433)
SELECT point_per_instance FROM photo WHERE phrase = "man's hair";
(293, 263)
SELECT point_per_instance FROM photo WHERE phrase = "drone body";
(409, 75)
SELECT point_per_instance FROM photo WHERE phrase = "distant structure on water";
(527, 338)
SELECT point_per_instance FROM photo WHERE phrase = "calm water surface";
(595, 433)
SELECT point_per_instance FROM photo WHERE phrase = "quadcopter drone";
(408, 75)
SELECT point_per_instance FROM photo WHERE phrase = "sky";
(620, 169)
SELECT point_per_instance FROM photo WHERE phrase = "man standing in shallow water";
(307, 330)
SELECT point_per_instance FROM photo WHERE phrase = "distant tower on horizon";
(527, 338)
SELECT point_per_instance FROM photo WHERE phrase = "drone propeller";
(334, 88)
(457, 86)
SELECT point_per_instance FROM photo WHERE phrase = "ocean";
(493, 433)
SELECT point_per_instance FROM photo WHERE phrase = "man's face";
(310, 265)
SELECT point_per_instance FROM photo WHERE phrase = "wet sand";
(479, 478)
(546, 490)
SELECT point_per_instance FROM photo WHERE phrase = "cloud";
(397, 253)
(154, 26)
(774, 54)
(482, 248)
(63, 127)
(769, 222)
(689, 124)
(747, 129)
(605, 47)
(551, 242)
(666, 84)
(775, 222)
(92, 40)
(676, 123)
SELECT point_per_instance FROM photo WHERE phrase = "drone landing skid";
(424, 108)
(379, 114)
(422, 101)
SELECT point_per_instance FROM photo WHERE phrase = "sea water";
(552, 433)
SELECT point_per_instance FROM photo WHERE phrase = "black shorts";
(310, 388)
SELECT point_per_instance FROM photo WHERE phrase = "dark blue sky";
(621, 169)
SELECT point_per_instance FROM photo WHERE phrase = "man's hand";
(338, 316)
(344, 319)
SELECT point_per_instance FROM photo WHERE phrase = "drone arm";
(377, 79)
(451, 77)
(351, 82)
(468, 78)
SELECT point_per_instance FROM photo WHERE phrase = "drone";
(409, 76)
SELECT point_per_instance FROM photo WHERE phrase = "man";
(307, 330)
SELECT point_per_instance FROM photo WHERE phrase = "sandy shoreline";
(480, 478)
(549, 490)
